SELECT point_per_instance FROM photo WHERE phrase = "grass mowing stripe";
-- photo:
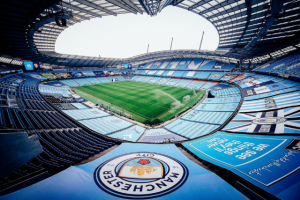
(95, 100)
(145, 99)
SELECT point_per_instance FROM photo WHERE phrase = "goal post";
(195, 94)
(186, 98)
(175, 105)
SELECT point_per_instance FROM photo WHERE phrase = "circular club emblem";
(140, 175)
(216, 75)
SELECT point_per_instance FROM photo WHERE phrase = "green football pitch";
(143, 102)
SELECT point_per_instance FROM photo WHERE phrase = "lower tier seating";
(82, 81)
(183, 83)
(70, 82)
(92, 80)
(106, 125)
(196, 85)
(216, 118)
(189, 129)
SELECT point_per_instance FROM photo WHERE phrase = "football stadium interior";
(172, 124)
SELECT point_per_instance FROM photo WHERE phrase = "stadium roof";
(254, 30)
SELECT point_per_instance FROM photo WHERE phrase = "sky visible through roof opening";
(128, 35)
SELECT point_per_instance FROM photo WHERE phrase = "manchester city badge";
(140, 175)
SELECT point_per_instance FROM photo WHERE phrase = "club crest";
(216, 75)
(140, 175)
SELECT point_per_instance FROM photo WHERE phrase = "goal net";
(195, 94)
(186, 98)
(175, 105)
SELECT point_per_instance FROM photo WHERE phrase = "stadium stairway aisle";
(172, 175)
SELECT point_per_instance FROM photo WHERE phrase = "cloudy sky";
(129, 35)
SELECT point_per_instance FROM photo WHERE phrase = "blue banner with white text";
(133, 171)
(269, 162)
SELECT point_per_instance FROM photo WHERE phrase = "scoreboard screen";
(28, 66)
(31, 66)
(36, 65)
(127, 66)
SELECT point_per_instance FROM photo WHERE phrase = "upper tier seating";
(159, 72)
(178, 73)
(202, 75)
(155, 65)
(183, 63)
(285, 65)
(164, 63)
(137, 72)
(207, 65)
(228, 67)
(168, 73)
(146, 66)
(189, 74)
(195, 63)
(151, 72)
(173, 64)
(143, 72)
